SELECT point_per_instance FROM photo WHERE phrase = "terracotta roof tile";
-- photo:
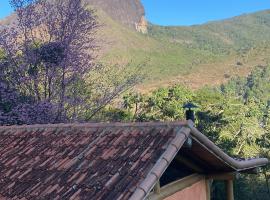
(87, 161)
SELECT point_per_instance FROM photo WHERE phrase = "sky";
(5, 9)
(186, 12)
(190, 12)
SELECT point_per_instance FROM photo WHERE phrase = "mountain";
(130, 13)
(239, 33)
(207, 54)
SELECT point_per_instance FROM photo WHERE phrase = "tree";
(18, 108)
(229, 122)
(49, 49)
(49, 52)
(164, 104)
(235, 116)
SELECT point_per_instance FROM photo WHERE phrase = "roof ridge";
(97, 125)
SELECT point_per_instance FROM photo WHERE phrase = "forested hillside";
(238, 34)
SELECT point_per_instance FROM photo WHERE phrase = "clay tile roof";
(86, 161)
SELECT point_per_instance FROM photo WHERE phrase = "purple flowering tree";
(48, 56)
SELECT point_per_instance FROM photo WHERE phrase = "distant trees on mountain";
(236, 35)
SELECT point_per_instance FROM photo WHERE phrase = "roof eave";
(236, 165)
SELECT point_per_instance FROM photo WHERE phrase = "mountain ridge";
(235, 33)
(199, 55)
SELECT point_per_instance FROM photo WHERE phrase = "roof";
(212, 159)
(206, 154)
(101, 161)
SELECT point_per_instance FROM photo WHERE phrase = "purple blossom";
(47, 65)
(47, 51)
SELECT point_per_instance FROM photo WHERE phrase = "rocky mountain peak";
(130, 13)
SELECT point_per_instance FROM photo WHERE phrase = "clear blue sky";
(186, 12)
(5, 9)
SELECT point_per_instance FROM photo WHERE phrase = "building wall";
(195, 192)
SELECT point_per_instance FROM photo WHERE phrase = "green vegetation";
(222, 37)
(222, 49)
(236, 116)
(172, 52)
(163, 59)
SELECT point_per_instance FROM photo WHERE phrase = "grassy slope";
(196, 55)
(163, 59)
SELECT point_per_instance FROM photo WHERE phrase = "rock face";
(142, 25)
(131, 13)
